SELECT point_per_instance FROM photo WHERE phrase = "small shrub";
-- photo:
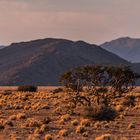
(13, 117)
(46, 120)
(21, 116)
(85, 122)
(131, 125)
(85, 134)
(1, 126)
(57, 90)
(26, 88)
(119, 108)
(97, 125)
(65, 117)
(27, 107)
(48, 137)
(105, 137)
(32, 123)
(44, 128)
(14, 137)
(74, 122)
(121, 116)
(7, 92)
(80, 129)
(9, 123)
(129, 101)
(63, 133)
(34, 137)
(101, 113)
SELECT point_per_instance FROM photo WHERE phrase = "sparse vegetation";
(63, 133)
(131, 125)
(57, 90)
(75, 122)
(105, 137)
(32, 121)
(80, 129)
(48, 137)
(102, 113)
(101, 83)
(21, 116)
(85, 122)
(26, 88)
(129, 101)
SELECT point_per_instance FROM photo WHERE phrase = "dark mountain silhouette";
(127, 48)
(1, 47)
(41, 62)
(136, 67)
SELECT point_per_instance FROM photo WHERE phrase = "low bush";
(101, 113)
(80, 129)
(48, 137)
(129, 101)
(28, 88)
(58, 90)
(105, 113)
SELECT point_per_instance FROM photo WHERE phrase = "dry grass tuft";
(131, 125)
(21, 116)
(1, 126)
(85, 122)
(44, 128)
(9, 123)
(13, 117)
(119, 108)
(80, 129)
(63, 133)
(48, 137)
(75, 122)
(105, 137)
(32, 123)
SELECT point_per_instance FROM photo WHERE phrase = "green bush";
(28, 88)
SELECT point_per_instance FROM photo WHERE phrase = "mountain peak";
(125, 47)
(40, 42)
(41, 62)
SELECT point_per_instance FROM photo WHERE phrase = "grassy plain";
(42, 116)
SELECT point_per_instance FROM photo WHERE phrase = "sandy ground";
(32, 116)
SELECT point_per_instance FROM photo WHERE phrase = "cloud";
(91, 20)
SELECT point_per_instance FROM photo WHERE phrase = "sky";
(94, 21)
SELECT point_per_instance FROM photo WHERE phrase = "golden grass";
(42, 116)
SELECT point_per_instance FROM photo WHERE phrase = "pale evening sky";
(94, 21)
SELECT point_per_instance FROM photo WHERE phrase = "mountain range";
(1, 47)
(127, 48)
(41, 62)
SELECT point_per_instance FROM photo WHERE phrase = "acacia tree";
(123, 79)
(74, 82)
(96, 79)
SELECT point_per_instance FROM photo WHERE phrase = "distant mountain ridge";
(127, 48)
(41, 62)
(1, 47)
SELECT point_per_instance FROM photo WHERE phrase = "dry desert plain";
(42, 116)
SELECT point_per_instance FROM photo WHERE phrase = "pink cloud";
(94, 20)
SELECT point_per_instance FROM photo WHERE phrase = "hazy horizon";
(94, 21)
